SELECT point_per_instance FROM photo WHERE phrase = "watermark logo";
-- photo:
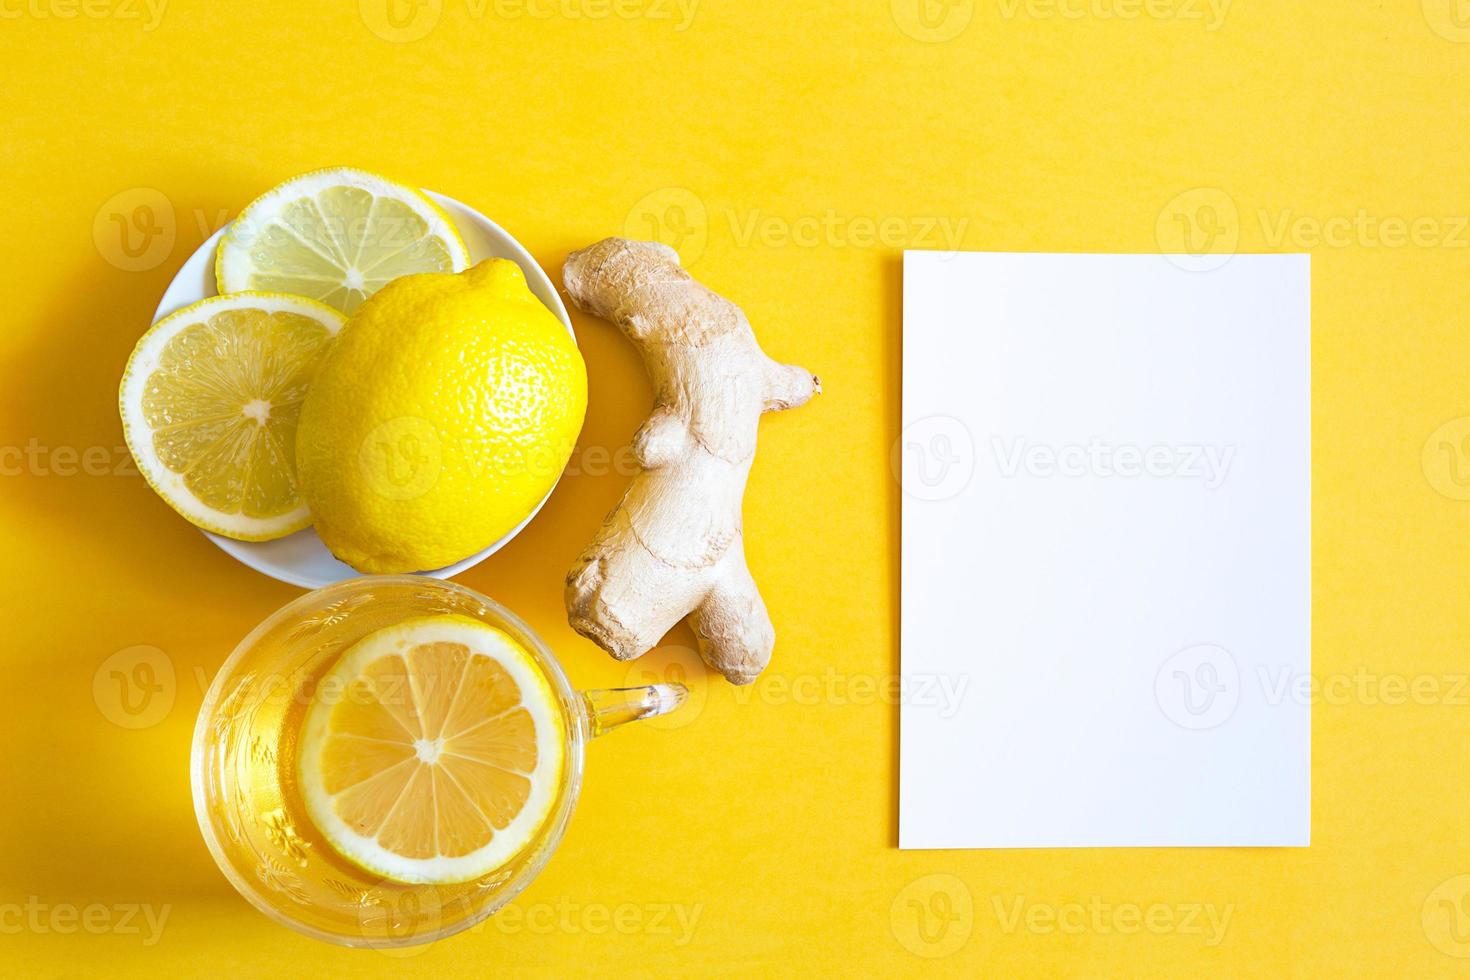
(1199, 687)
(672, 664)
(135, 229)
(400, 21)
(832, 229)
(933, 916)
(932, 21)
(675, 216)
(934, 458)
(1199, 230)
(135, 687)
(401, 459)
(406, 917)
(1450, 19)
(1446, 459)
(1446, 917)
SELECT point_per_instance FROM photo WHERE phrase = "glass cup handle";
(609, 709)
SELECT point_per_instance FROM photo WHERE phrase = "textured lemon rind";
(482, 465)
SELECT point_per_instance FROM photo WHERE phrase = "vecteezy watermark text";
(37, 459)
(682, 220)
(1207, 463)
(832, 229)
(68, 918)
(1202, 228)
(1099, 917)
(942, 693)
(149, 13)
(1201, 686)
(405, 21)
(1363, 687)
(1209, 13)
(676, 920)
(935, 21)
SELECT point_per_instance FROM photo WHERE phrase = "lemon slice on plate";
(209, 403)
(337, 236)
(439, 754)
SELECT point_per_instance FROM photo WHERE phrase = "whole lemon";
(443, 414)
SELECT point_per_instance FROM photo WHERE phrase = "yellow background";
(775, 143)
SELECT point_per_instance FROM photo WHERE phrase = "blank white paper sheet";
(1106, 559)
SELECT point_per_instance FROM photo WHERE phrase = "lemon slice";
(337, 236)
(434, 751)
(209, 403)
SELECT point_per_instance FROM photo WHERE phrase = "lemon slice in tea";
(433, 752)
(337, 236)
(209, 403)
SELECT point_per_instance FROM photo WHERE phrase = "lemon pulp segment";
(210, 401)
(440, 755)
(337, 236)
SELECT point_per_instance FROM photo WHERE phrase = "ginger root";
(673, 546)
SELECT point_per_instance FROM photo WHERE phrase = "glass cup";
(245, 753)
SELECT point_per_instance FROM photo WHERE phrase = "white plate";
(301, 558)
